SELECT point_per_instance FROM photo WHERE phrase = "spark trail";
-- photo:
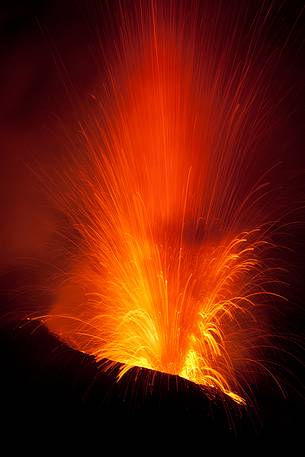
(171, 271)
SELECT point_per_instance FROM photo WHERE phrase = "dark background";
(48, 62)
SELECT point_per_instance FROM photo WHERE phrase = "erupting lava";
(170, 269)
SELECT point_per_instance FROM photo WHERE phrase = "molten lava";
(169, 271)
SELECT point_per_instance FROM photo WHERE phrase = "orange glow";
(169, 260)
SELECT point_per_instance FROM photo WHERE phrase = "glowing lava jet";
(169, 272)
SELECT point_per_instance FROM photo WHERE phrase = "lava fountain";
(172, 262)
